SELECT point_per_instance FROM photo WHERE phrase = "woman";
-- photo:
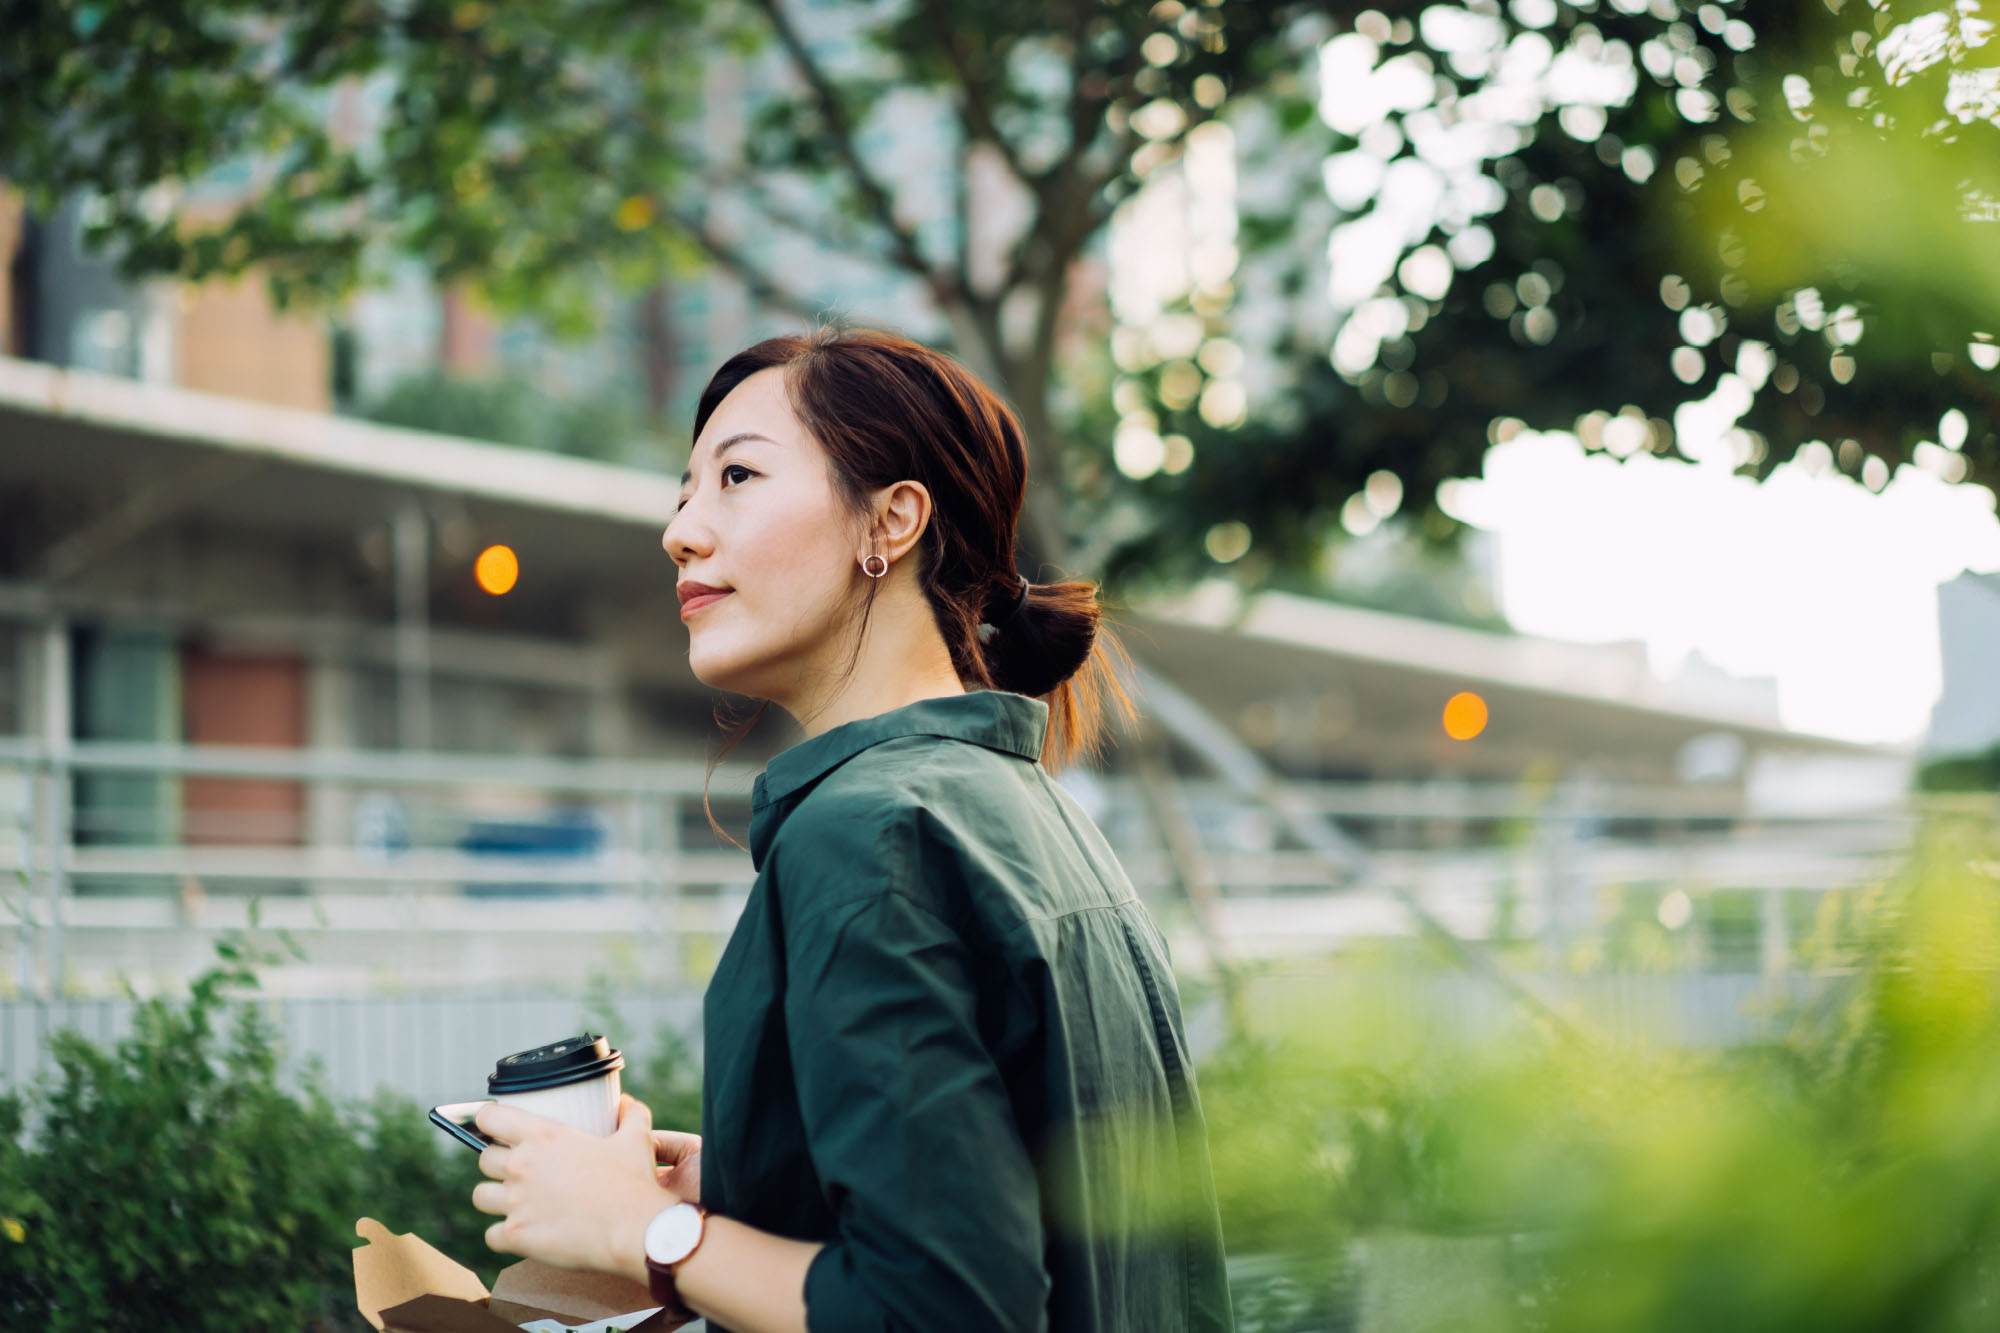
(946, 1083)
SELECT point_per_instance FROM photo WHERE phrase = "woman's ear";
(902, 512)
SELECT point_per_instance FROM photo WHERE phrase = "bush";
(1962, 773)
(173, 1181)
(1844, 1179)
(668, 1080)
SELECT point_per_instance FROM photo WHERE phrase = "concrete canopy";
(1345, 692)
(93, 465)
(89, 463)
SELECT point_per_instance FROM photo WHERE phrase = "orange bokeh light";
(1464, 716)
(497, 569)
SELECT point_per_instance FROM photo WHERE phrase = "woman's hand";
(679, 1158)
(569, 1198)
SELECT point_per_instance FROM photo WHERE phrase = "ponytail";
(1054, 646)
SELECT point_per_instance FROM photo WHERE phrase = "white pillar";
(26, 805)
(1774, 936)
(411, 539)
(54, 729)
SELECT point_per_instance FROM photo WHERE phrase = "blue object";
(563, 835)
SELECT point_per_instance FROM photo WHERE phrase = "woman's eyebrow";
(723, 446)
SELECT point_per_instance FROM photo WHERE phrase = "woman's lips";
(694, 604)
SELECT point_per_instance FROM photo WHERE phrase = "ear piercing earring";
(874, 566)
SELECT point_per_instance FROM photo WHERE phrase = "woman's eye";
(733, 467)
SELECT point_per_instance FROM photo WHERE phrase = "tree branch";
(975, 108)
(1086, 111)
(961, 200)
(820, 230)
(1063, 188)
(761, 285)
(879, 203)
(1103, 203)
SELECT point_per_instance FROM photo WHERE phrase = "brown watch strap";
(660, 1277)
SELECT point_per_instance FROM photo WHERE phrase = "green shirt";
(945, 1039)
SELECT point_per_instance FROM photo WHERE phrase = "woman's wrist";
(627, 1257)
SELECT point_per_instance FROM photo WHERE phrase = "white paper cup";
(592, 1107)
(574, 1080)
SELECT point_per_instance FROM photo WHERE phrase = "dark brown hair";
(885, 410)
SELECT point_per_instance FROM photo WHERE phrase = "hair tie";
(1020, 600)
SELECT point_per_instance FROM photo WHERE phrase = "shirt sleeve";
(907, 1118)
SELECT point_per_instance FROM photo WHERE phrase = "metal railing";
(417, 870)
(392, 851)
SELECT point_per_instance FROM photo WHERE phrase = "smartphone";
(456, 1120)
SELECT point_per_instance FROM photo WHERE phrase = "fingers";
(671, 1145)
(490, 1197)
(495, 1162)
(497, 1239)
(634, 1116)
(508, 1124)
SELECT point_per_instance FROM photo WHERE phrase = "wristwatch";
(672, 1235)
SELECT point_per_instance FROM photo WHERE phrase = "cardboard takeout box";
(403, 1285)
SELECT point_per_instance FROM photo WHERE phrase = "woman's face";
(761, 523)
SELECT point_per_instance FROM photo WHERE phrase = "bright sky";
(1812, 579)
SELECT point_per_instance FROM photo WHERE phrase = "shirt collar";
(997, 719)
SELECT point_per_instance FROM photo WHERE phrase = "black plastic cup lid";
(558, 1064)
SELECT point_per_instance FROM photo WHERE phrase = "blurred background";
(1538, 454)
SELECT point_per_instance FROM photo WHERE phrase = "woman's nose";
(682, 540)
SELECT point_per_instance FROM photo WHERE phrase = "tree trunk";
(1043, 541)
(659, 352)
(1023, 380)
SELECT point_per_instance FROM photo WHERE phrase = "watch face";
(673, 1233)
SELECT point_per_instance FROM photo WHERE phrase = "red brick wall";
(243, 701)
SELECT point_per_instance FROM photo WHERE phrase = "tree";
(1793, 221)
(1601, 255)
(537, 149)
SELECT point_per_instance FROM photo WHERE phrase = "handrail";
(643, 878)
(1450, 799)
(388, 767)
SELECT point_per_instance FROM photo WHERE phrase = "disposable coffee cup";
(574, 1080)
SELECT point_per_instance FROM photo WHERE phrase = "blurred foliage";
(182, 1179)
(1839, 1177)
(539, 149)
(174, 1181)
(668, 1078)
(223, 134)
(1781, 212)
(1788, 203)
(513, 411)
(1283, 475)
(1969, 773)
(1851, 224)
(1823, 276)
